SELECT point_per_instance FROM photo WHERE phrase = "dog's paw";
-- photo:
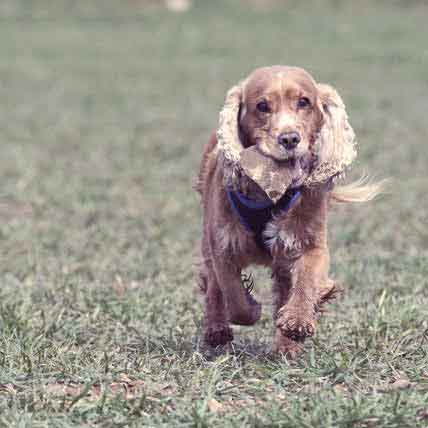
(284, 345)
(246, 316)
(218, 334)
(295, 325)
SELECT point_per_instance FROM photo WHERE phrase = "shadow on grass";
(189, 347)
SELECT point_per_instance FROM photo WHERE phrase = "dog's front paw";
(296, 325)
(284, 345)
(218, 334)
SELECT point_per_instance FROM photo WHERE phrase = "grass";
(104, 109)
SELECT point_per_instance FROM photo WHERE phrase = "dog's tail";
(361, 190)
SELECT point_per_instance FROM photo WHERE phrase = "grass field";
(104, 108)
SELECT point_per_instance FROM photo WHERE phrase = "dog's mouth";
(275, 175)
(298, 167)
(297, 164)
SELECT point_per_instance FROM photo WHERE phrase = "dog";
(267, 178)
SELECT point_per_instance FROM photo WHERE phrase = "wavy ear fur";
(337, 149)
(228, 141)
(335, 146)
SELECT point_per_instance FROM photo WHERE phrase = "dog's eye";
(263, 106)
(303, 102)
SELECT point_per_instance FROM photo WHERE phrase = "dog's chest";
(255, 216)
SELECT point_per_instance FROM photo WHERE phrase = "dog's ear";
(335, 146)
(228, 131)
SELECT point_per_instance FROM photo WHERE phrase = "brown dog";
(265, 201)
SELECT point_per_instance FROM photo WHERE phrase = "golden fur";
(296, 242)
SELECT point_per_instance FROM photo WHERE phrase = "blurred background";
(106, 106)
(104, 109)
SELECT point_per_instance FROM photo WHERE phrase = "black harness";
(254, 215)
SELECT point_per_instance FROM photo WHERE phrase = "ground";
(104, 108)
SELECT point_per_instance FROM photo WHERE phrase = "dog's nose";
(289, 139)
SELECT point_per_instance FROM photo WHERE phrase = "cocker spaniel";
(266, 179)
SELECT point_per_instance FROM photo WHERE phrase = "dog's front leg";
(242, 309)
(282, 284)
(216, 325)
(296, 315)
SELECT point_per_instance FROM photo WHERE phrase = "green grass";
(104, 109)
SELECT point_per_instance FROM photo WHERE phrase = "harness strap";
(254, 215)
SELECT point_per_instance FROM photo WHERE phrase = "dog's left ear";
(335, 146)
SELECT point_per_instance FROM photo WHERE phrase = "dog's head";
(284, 129)
(280, 113)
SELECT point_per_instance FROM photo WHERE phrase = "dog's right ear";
(228, 139)
(243, 138)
